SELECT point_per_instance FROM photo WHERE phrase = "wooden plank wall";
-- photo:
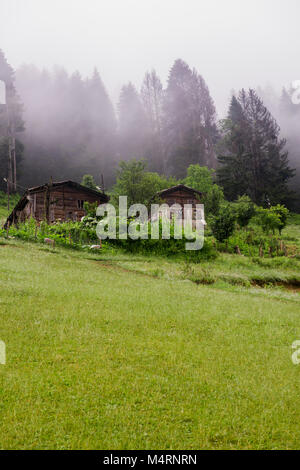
(63, 204)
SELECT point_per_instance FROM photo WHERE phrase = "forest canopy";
(72, 128)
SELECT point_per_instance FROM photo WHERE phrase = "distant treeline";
(72, 129)
(286, 109)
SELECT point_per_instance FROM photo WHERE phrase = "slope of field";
(102, 357)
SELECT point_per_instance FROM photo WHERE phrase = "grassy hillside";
(111, 351)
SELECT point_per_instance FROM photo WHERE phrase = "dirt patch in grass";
(289, 285)
(202, 281)
(112, 265)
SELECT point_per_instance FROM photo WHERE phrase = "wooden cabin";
(61, 201)
(180, 194)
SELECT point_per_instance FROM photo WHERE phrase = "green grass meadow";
(112, 351)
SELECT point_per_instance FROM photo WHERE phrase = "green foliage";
(130, 176)
(222, 225)
(160, 246)
(90, 208)
(251, 242)
(244, 210)
(79, 235)
(252, 154)
(137, 184)
(199, 178)
(168, 248)
(189, 119)
(213, 200)
(268, 219)
(282, 213)
(89, 182)
(69, 234)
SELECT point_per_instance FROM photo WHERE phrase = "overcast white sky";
(232, 43)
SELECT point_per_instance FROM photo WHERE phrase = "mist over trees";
(132, 124)
(286, 108)
(70, 126)
(253, 159)
(11, 123)
(190, 120)
(73, 129)
(152, 95)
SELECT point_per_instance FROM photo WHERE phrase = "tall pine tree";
(102, 127)
(252, 154)
(11, 122)
(132, 124)
(152, 99)
(189, 120)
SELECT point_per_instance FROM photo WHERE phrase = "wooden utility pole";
(14, 160)
(12, 163)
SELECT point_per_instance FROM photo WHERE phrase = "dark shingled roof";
(72, 184)
(178, 187)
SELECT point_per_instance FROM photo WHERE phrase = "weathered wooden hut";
(180, 194)
(62, 201)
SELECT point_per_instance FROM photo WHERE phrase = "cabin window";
(80, 203)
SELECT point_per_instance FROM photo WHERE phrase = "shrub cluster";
(82, 234)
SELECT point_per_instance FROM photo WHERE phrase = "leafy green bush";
(244, 210)
(73, 234)
(138, 184)
(89, 182)
(254, 243)
(201, 178)
(213, 200)
(283, 213)
(268, 219)
(165, 247)
(223, 224)
(81, 234)
(90, 209)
